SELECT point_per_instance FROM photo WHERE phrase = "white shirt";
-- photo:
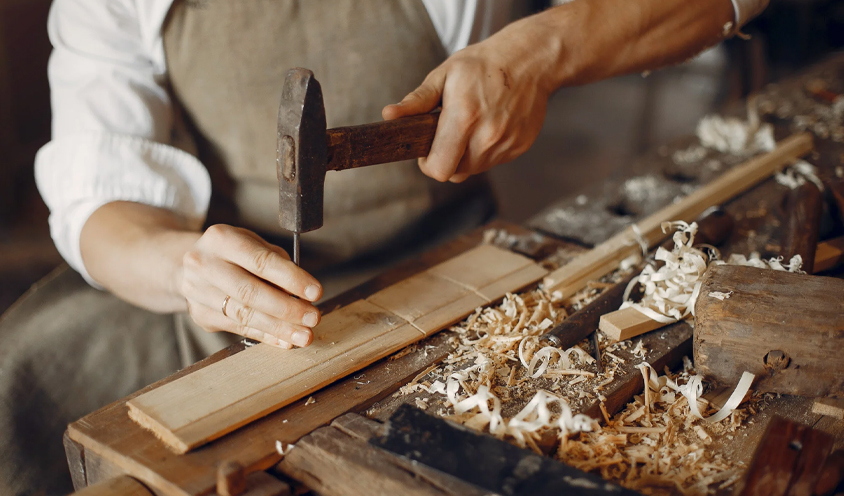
(113, 119)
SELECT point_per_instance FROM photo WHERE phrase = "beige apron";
(227, 61)
(67, 349)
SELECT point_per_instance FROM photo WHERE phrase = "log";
(786, 328)
(224, 396)
(605, 257)
(804, 205)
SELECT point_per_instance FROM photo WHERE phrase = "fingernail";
(312, 292)
(310, 319)
(301, 338)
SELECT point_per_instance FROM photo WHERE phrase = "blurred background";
(590, 134)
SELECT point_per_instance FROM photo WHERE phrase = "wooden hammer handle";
(381, 142)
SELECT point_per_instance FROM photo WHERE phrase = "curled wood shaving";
(795, 176)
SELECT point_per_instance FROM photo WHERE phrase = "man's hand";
(493, 100)
(494, 94)
(260, 282)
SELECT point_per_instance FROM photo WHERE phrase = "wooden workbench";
(107, 443)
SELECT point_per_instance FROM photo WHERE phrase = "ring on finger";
(225, 304)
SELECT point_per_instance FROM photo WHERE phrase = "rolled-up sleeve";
(112, 124)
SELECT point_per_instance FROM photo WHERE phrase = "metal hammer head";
(302, 152)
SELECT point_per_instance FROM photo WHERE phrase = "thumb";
(423, 99)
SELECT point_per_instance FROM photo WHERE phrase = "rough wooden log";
(786, 328)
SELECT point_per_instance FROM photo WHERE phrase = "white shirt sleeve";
(112, 122)
(460, 23)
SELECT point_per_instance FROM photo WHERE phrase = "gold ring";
(225, 302)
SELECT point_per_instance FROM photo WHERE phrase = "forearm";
(135, 251)
(590, 40)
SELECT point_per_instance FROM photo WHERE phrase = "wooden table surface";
(107, 443)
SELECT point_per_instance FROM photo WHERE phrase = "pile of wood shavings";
(657, 446)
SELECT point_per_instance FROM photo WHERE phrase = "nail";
(301, 338)
(310, 319)
(312, 292)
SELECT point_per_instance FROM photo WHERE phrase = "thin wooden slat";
(830, 407)
(605, 257)
(627, 323)
(219, 398)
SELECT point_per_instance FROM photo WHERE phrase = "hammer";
(306, 150)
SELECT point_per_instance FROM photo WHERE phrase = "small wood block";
(231, 480)
(627, 323)
(830, 407)
(119, 486)
(830, 254)
(785, 328)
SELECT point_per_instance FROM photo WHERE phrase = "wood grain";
(224, 396)
(627, 323)
(804, 206)
(605, 257)
(381, 142)
(119, 486)
(829, 255)
(786, 328)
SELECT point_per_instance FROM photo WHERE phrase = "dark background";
(590, 133)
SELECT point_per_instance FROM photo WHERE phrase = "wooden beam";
(830, 254)
(785, 328)
(627, 323)
(218, 399)
(605, 257)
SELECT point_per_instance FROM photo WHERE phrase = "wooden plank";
(482, 460)
(112, 440)
(605, 257)
(337, 460)
(627, 323)
(830, 407)
(222, 397)
(830, 254)
(75, 454)
(785, 328)
(119, 486)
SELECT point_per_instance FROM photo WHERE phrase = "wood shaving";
(311, 401)
(735, 136)
(656, 445)
(719, 295)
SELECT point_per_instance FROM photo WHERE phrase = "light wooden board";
(605, 257)
(218, 399)
(830, 254)
(627, 323)
(830, 407)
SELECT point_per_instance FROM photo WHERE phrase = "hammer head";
(302, 152)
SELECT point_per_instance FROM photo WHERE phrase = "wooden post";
(804, 205)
